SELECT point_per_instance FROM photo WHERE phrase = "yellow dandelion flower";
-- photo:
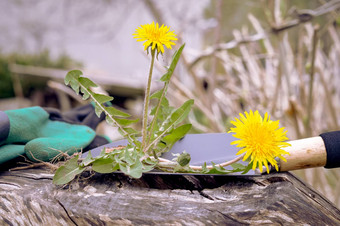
(261, 139)
(155, 36)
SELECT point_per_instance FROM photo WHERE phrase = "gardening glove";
(83, 115)
(32, 131)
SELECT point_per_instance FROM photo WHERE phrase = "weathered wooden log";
(28, 197)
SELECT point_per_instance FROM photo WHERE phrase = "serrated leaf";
(176, 134)
(237, 165)
(132, 136)
(115, 112)
(161, 147)
(166, 77)
(122, 122)
(165, 103)
(204, 167)
(128, 158)
(67, 172)
(153, 110)
(72, 79)
(164, 109)
(125, 122)
(109, 120)
(86, 82)
(157, 94)
(101, 98)
(88, 160)
(131, 131)
(98, 110)
(176, 117)
(85, 92)
(171, 121)
(216, 170)
(124, 168)
(136, 170)
(104, 165)
(182, 112)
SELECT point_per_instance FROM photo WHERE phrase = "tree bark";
(28, 197)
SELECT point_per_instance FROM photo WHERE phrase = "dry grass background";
(288, 67)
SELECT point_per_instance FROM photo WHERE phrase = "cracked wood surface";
(28, 197)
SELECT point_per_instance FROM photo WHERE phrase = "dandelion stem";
(147, 100)
(170, 164)
(152, 125)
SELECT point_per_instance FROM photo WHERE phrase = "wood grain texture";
(29, 198)
(304, 153)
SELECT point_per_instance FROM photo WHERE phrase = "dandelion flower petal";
(261, 139)
(155, 36)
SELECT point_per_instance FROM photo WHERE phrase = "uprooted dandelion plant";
(166, 126)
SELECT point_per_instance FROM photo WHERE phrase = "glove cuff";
(4, 126)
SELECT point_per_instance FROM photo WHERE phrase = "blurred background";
(280, 57)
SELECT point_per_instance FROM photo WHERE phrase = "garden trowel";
(323, 150)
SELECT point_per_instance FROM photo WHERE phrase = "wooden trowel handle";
(323, 150)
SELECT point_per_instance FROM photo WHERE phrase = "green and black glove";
(42, 134)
